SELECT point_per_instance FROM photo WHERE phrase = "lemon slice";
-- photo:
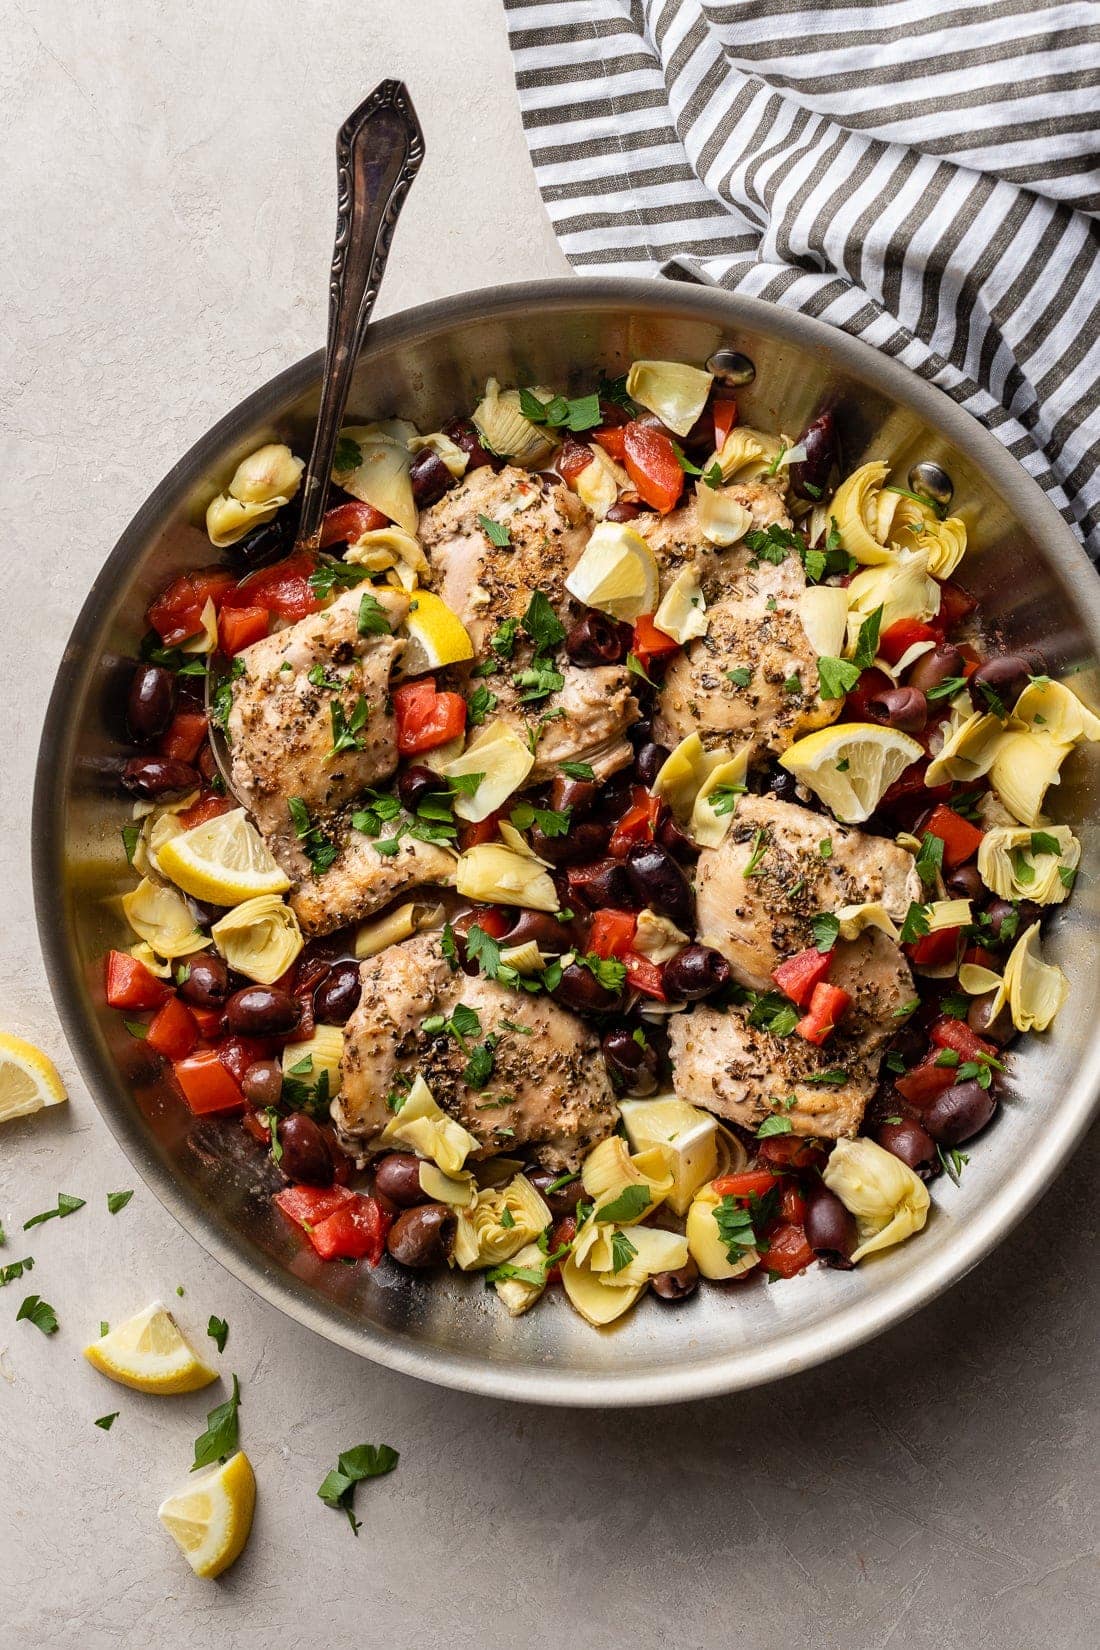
(148, 1353)
(850, 765)
(210, 1520)
(617, 573)
(224, 860)
(28, 1079)
(436, 636)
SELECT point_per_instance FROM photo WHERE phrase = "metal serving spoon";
(379, 149)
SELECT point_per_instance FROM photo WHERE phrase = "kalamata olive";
(996, 1028)
(207, 764)
(1034, 660)
(205, 981)
(696, 971)
(640, 732)
(631, 1064)
(996, 685)
(579, 988)
(605, 882)
(623, 511)
(941, 665)
(204, 911)
(678, 1285)
(648, 763)
(463, 432)
(397, 1176)
(959, 1112)
(423, 1237)
(658, 880)
(964, 882)
(262, 1011)
(784, 787)
(307, 1155)
(151, 702)
(904, 708)
(337, 997)
(429, 478)
(812, 476)
(547, 932)
(1008, 921)
(159, 778)
(577, 795)
(830, 1228)
(262, 1083)
(415, 783)
(562, 1201)
(675, 842)
(266, 543)
(596, 639)
(585, 840)
(908, 1141)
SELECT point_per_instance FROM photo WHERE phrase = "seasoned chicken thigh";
(585, 720)
(743, 1073)
(779, 865)
(361, 881)
(548, 1088)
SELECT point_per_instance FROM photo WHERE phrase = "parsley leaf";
(542, 624)
(66, 1205)
(833, 1078)
(772, 1012)
(836, 677)
(331, 574)
(606, 971)
(735, 1229)
(222, 1431)
(759, 849)
(774, 1125)
(929, 861)
(740, 676)
(495, 531)
(117, 1201)
(826, 929)
(867, 642)
(622, 1251)
(560, 413)
(631, 1202)
(318, 848)
(347, 731)
(577, 770)
(946, 689)
(107, 1421)
(15, 1269)
(373, 619)
(348, 455)
(539, 680)
(915, 926)
(218, 1330)
(40, 1313)
(479, 705)
(1043, 843)
(352, 1467)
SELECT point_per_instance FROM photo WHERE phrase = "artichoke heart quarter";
(889, 1201)
(499, 1224)
(260, 938)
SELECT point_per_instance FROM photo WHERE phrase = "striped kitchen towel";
(924, 173)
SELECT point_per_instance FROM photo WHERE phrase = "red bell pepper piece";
(871, 683)
(956, 604)
(961, 840)
(828, 1004)
(652, 465)
(239, 627)
(185, 735)
(792, 1205)
(611, 933)
(172, 1031)
(788, 1252)
(724, 412)
(284, 589)
(345, 523)
(483, 830)
(207, 807)
(131, 985)
(921, 1085)
(308, 1206)
(932, 950)
(789, 1151)
(238, 1053)
(209, 1022)
(207, 1084)
(746, 1183)
(425, 717)
(909, 792)
(800, 974)
(957, 1035)
(900, 636)
(645, 976)
(356, 1229)
(613, 441)
(176, 615)
(574, 457)
(636, 824)
(649, 643)
(981, 958)
(563, 1233)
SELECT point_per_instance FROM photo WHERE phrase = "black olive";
(577, 795)
(996, 685)
(424, 1236)
(583, 841)
(830, 1228)
(159, 778)
(152, 701)
(596, 639)
(812, 477)
(959, 1112)
(904, 708)
(659, 882)
(695, 972)
(678, 1285)
(262, 1011)
(632, 1064)
(944, 664)
(648, 763)
(908, 1141)
(337, 997)
(205, 981)
(463, 432)
(429, 478)
(266, 543)
(397, 1176)
(307, 1155)
(579, 988)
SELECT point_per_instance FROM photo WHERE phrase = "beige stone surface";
(167, 215)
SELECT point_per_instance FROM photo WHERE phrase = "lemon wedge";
(617, 573)
(148, 1353)
(224, 860)
(210, 1520)
(851, 765)
(28, 1079)
(436, 636)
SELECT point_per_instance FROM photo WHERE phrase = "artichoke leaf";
(1012, 866)
(682, 612)
(501, 1221)
(506, 432)
(889, 1201)
(429, 1131)
(502, 758)
(723, 519)
(1053, 707)
(322, 1052)
(160, 917)
(260, 938)
(399, 924)
(675, 392)
(492, 873)
(1035, 990)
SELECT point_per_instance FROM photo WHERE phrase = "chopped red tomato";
(828, 1006)
(426, 717)
(574, 457)
(746, 1183)
(611, 933)
(652, 465)
(355, 1230)
(308, 1206)
(284, 589)
(792, 1205)
(172, 1031)
(909, 790)
(345, 523)
(207, 1084)
(956, 604)
(900, 636)
(637, 823)
(789, 1151)
(131, 985)
(724, 412)
(613, 441)
(921, 1085)
(960, 839)
(177, 614)
(957, 1035)
(239, 627)
(238, 1053)
(788, 1252)
(207, 807)
(799, 975)
(488, 918)
(932, 950)
(645, 976)
(183, 738)
(650, 643)
(209, 1022)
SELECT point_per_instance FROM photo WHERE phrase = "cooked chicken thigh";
(585, 720)
(361, 881)
(548, 1088)
(759, 919)
(744, 1073)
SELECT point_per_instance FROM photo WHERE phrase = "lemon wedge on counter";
(436, 636)
(28, 1079)
(224, 860)
(617, 573)
(210, 1520)
(148, 1353)
(851, 765)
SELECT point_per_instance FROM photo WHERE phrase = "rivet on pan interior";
(933, 479)
(731, 367)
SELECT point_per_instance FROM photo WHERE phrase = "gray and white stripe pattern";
(923, 173)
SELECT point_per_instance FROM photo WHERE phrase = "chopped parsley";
(757, 852)
(331, 575)
(1043, 843)
(218, 1330)
(222, 1431)
(793, 684)
(550, 821)
(373, 619)
(915, 926)
(462, 1023)
(833, 1078)
(946, 689)
(495, 531)
(825, 847)
(929, 861)
(479, 705)
(66, 1205)
(538, 680)
(836, 677)
(348, 455)
(774, 1125)
(826, 930)
(15, 1269)
(107, 1421)
(771, 1011)
(131, 835)
(578, 770)
(631, 1203)
(561, 413)
(117, 1201)
(740, 676)
(318, 848)
(622, 1251)
(39, 1312)
(953, 1162)
(318, 677)
(542, 624)
(723, 799)
(352, 1467)
(347, 731)
(606, 971)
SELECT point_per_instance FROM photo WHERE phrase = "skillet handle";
(379, 149)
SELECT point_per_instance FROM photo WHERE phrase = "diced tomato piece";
(799, 975)
(792, 1205)
(724, 412)
(425, 717)
(354, 1231)
(828, 1005)
(239, 627)
(574, 457)
(611, 933)
(961, 840)
(746, 1183)
(613, 442)
(645, 976)
(238, 1053)
(184, 736)
(207, 807)
(649, 643)
(637, 823)
(209, 1022)
(932, 950)
(921, 1085)
(488, 918)
(790, 1151)
(652, 465)
(788, 1252)
(900, 636)
(483, 830)
(172, 1031)
(956, 604)
(345, 523)
(131, 985)
(207, 1084)
(310, 1205)
(957, 1035)
(176, 615)
(284, 589)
